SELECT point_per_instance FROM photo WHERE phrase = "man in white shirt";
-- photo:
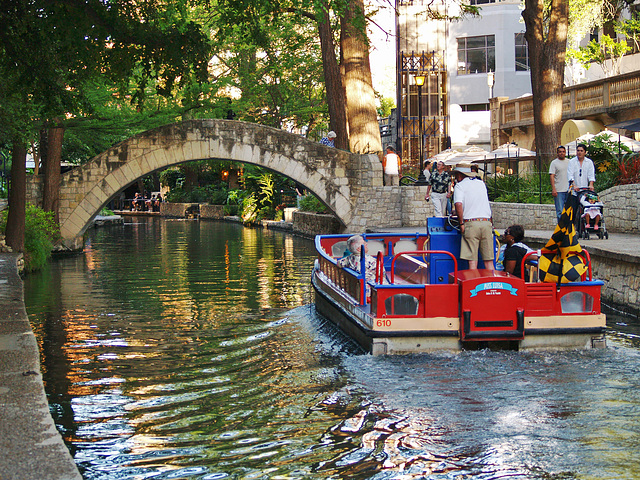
(581, 173)
(472, 206)
(392, 167)
(558, 177)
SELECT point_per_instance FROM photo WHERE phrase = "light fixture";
(420, 79)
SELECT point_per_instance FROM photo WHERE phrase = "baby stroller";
(591, 206)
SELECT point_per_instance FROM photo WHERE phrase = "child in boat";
(591, 210)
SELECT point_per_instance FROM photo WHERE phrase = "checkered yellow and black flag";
(561, 260)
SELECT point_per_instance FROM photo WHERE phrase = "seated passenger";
(352, 261)
(515, 250)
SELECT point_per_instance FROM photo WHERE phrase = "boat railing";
(418, 266)
(346, 279)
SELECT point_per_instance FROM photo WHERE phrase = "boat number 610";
(383, 322)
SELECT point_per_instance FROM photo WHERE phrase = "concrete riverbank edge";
(31, 446)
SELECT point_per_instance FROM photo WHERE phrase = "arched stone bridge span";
(342, 180)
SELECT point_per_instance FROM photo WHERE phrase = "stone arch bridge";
(350, 185)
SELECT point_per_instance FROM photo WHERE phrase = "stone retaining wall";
(530, 215)
(621, 207)
(211, 211)
(179, 210)
(312, 224)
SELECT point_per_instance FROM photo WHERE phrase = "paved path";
(31, 446)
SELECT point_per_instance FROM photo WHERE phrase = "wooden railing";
(620, 92)
(343, 279)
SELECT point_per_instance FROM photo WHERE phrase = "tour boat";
(425, 299)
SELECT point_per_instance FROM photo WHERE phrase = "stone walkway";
(31, 446)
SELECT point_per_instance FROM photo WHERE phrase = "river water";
(190, 350)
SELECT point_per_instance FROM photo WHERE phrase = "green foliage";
(249, 212)
(385, 107)
(523, 189)
(105, 212)
(267, 189)
(599, 52)
(171, 177)
(310, 203)
(41, 232)
(605, 152)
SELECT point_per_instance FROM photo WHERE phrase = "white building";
(482, 57)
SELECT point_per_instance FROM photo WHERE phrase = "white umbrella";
(508, 150)
(471, 154)
(444, 155)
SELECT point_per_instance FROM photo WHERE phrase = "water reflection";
(178, 349)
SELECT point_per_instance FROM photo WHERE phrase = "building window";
(476, 54)
(481, 2)
(522, 53)
(475, 107)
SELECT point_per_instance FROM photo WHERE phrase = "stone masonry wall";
(211, 211)
(530, 215)
(178, 210)
(621, 207)
(312, 224)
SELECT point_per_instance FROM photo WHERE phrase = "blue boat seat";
(338, 249)
(376, 246)
(405, 246)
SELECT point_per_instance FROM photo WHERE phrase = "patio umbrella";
(470, 155)
(508, 150)
(444, 155)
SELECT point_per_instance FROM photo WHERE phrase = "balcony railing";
(588, 99)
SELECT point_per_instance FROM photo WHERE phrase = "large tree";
(364, 132)
(546, 35)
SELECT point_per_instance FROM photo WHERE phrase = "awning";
(633, 125)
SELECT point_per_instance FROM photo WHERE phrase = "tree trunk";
(191, 175)
(333, 82)
(547, 58)
(364, 133)
(17, 198)
(51, 169)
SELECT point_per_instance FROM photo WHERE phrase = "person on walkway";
(558, 178)
(352, 261)
(439, 189)
(392, 167)
(427, 170)
(515, 250)
(581, 173)
(473, 209)
(329, 140)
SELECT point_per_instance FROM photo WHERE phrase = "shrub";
(309, 203)
(41, 233)
(524, 189)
